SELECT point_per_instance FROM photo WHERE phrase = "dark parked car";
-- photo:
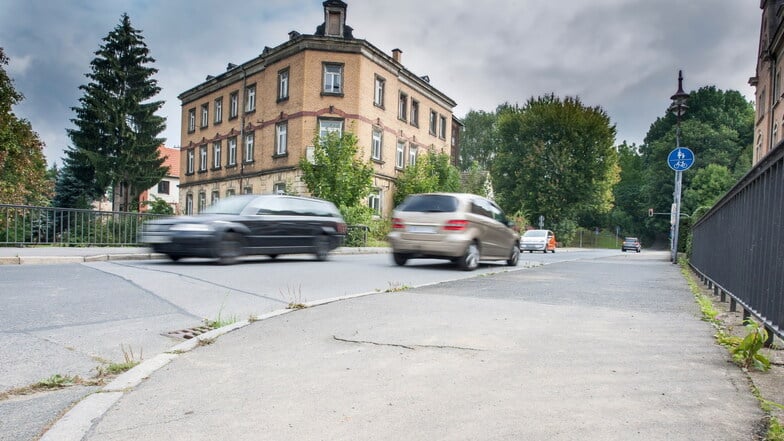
(250, 224)
(631, 243)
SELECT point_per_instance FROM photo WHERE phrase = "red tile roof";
(171, 157)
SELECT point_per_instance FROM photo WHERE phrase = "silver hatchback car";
(464, 228)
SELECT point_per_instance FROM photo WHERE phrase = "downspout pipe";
(242, 128)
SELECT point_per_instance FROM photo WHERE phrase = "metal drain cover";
(189, 333)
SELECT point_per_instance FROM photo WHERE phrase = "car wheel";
(229, 248)
(623, 249)
(272, 256)
(174, 257)
(531, 251)
(321, 247)
(515, 257)
(544, 250)
(400, 258)
(638, 251)
(470, 260)
(553, 251)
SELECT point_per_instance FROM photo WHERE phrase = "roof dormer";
(334, 20)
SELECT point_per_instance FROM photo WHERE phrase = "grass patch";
(57, 381)
(294, 296)
(130, 360)
(775, 430)
(396, 287)
(221, 321)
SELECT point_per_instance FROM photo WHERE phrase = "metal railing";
(738, 246)
(29, 225)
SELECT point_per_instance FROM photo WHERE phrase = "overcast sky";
(622, 55)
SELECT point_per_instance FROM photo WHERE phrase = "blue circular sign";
(680, 159)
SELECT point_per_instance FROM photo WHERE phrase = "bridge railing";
(738, 246)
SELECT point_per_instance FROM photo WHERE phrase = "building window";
(412, 155)
(329, 126)
(433, 122)
(202, 158)
(283, 84)
(189, 161)
(163, 187)
(232, 151)
(214, 197)
(759, 146)
(442, 126)
(250, 98)
(281, 138)
(402, 107)
(378, 95)
(333, 76)
(279, 188)
(202, 201)
(247, 190)
(191, 120)
(205, 115)
(375, 151)
(374, 202)
(233, 105)
(777, 85)
(230, 192)
(189, 203)
(249, 141)
(218, 110)
(400, 159)
(414, 112)
(216, 154)
(775, 132)
(333, 23)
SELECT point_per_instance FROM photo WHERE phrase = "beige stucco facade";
(767, 81)
(332, 79)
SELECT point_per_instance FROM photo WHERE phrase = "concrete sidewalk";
(600, 349)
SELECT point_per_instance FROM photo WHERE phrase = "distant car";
(538, 240)
(250, 224)
(631, 244)
(464, 228)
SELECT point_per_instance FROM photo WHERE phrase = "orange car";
(538, 240)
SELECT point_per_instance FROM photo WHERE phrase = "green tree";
(475, 180)
(115, 142)
(708, 185)
(717, 127)
(432, 172)
(23, 177)
(478, 139)
(336, 173)
(555, 158)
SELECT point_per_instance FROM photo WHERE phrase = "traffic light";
(650, 212)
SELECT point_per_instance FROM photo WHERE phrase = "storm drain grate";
(187, 334)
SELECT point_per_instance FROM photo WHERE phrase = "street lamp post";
(678, 107)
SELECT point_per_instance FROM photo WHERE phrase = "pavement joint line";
(75, 424)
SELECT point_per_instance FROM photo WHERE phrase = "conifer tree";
(115, 142)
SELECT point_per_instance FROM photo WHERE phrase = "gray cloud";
(622, 55)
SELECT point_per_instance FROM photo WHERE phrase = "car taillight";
(456, 225)
(341, 228)
(397, 224)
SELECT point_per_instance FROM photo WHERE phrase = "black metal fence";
(738, 246)
(28, 225)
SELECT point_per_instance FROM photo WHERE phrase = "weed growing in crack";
(396, 287)
(294, 296)
(117, 368)
(220, 321)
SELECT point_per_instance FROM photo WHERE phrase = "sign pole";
(676, 222)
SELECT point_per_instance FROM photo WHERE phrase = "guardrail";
(30, 225)
(738, 246)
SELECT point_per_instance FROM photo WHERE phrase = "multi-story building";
(245, 130)
(769, 121)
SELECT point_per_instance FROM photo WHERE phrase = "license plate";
(421, 229)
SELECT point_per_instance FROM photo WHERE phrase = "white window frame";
(234, 105)
(202, 201)
(250, 141)
(279, 188)
(400, 157)
(218, 110)
(402, 106)
(189, 203)
(414, 114)
(330, 125)
(333, 78)
(281, 138)
(433, 129)
(412, 154)
(283, 84)
(231, 147)
(442, 126)
(216, 154)
(377, 144)
(191, 157)
(205, 115)
(192, 120)
(374, 202)
(203, 157)
(250, 98)
(214, 197)
(378, 94)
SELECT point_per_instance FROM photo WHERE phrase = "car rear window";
(535, 233)
(429, 203)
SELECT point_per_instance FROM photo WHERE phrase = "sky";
(620, 55)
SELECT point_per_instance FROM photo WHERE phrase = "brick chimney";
(396, 54)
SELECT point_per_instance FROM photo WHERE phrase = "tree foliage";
(336, 173)
(555, 158)
(115, 142)
(432, 172)
(23, 176)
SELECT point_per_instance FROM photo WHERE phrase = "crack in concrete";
(411, 347)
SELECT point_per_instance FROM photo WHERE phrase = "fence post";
(723, 296)
(733, 304)
(715, 290)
